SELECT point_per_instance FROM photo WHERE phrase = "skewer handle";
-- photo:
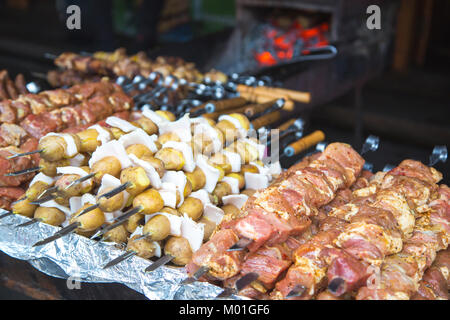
(266, 119)
(264, 97)
(304, 143)
(286, 124)
(439, 154)
(298, 96)
(255, 109)
(215, 115)
(226, 104)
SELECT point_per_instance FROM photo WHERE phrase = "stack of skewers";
(77, 68)
(328, 230)
(152, 182)
(170, 169)
(29, 117)
(138, 70)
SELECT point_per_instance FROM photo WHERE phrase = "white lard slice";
(193, 232)
(212, 174)
(121, 124)
(256, 181)
(112, 148)
(151, 172)
(138, 136)
(213, 213)
(237, 200)
(186, 150)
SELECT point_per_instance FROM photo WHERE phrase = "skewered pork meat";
(435, 283)
(273, 215)
(16, 110)
(10, 89)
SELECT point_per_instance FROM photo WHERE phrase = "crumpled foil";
(82, 259)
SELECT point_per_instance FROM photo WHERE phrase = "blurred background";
(392, 82)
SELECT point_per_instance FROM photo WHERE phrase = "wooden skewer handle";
(215, 115)
(253, 109)
(287, 124)
(298, 96)
(228, 104)
(305, 143)
(266, 119)
(263, 98)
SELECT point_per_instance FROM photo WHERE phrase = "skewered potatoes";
(172, 158)
(24, 207)
(150, 201)
(34, 191)
(209, 228)
(155, 163)
(49, 167)
(147, 125)
(179, 248)
(196, 178)
(52, 216)
(137, 177)
(144, 248)
(171, 211)
(89, 140)
(111, 204)
(157, 228)
(54, 146)
(192, 207)
(118, 235)
(108, 165)
(133, 222)
(168, 136)
(222, 189)
(80, 188)
(139, 150)
(89, 221)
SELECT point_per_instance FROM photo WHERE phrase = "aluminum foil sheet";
(82, 259)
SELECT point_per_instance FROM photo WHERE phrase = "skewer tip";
(242, 244)
(336, 286)
(24, 154)
(296, 292)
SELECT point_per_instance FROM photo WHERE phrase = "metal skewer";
(8, 213)
(61, 233)
(159, 263)
(44, 199)
(371, 144)
(50, 56)
(240, 284)
(241, 244)
(47, 191)
(82, 179)
(106, 195)
(296, 292)
(21, 172)
(439, 153)
(336, 284)
(29, 223)
(120, 220)
(17, 201)
(120, 258)
(197, 275)
(25, 154)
